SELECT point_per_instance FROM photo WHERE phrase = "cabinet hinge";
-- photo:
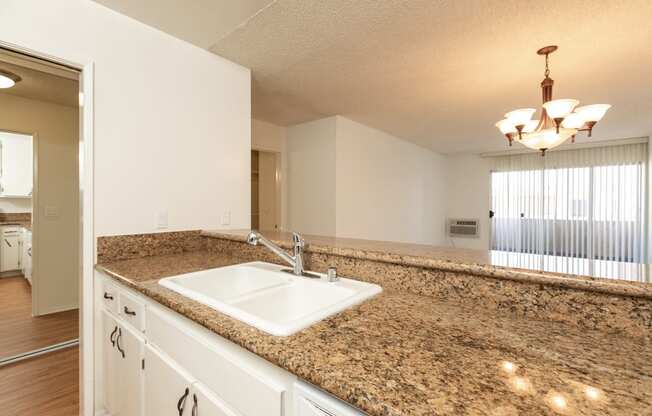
(142, 363)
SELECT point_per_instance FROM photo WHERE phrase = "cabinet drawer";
(215, 363)
(109, 296)
(132, 310)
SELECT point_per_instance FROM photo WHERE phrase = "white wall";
(172, 121)
(55, 239)
(311, 177)
(349, 180)
(469, 196)
(387, 188)
(269, 137)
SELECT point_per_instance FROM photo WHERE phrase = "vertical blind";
(585, 203)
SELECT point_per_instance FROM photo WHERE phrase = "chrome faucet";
(296, 260)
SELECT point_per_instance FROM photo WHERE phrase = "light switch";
(226, 217)
(51, 211)
(162, 220)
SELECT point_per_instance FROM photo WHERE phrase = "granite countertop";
(601, 276)
(26, 225)
(405, 354)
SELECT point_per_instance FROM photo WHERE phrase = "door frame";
(87, 245)
(35, 145)
(280, 200)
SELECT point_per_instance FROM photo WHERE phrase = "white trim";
(569, 146)
(87, 246)
(86, 148)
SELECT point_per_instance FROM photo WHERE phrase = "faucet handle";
(297, 240)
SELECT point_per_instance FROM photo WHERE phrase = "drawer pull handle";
(194, 405)
(113, 335)
(107, 296)
(128, 312)
(181, 404)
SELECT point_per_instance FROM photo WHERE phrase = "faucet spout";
(296, 261)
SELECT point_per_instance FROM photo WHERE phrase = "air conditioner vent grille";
(463, 228)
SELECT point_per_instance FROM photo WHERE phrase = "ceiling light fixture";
(8, 79)
(560, 119)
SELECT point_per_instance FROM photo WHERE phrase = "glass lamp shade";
(521, 116)
(593, 112)
(6, 82)
(546, 139)
(530, 126)
(573, 121)
(560, 108)
(505, 126)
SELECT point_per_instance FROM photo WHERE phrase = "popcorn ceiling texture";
(435, 342)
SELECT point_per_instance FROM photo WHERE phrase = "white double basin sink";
(264, 296)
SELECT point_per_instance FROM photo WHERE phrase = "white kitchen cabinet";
(26, 255)
(109, 360)
(123, 351)
(207, 404)
(129, 389)
(185, 370)
(170, 390)
(10, 251)
(167, 386)
(16, 161)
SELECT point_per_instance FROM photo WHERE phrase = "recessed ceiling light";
(8, 79)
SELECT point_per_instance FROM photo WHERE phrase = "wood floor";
(19, 331)
(43, 386)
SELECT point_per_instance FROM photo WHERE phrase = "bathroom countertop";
(628, 279)
(405, 354)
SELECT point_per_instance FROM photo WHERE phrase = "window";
(587, 203)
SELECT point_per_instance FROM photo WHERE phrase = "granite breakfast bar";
(429, 344)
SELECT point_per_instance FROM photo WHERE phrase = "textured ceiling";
(42, 86)
(437, 72)
(201, 22)
(441, 73)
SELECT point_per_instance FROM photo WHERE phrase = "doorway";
(265, 191)
(40, 210)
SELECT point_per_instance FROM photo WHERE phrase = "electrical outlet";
(162, 220)
(226, 218)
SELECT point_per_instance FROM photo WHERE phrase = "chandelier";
(560, 119)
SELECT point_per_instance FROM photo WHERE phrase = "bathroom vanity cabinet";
(157, 362)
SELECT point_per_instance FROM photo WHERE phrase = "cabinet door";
(10, 256)
(129, 348)
(109, 360)
(167, 386)
(205, 403)
(16, 175)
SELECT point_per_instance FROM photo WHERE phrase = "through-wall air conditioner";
(459, 227)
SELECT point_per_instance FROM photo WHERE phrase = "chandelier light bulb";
(560, 108)
(593, 112)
